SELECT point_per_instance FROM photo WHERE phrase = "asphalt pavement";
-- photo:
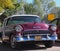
(6, 47)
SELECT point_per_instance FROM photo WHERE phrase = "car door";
(58, 28)
(7, 28)
(55, 22)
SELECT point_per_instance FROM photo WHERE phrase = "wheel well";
(10, 35)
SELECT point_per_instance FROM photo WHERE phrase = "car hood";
(31, 26)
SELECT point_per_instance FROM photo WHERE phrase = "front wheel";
(12, 41)
(49, 44)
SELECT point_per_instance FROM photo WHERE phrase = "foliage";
(39, 7)
(1, 9)
(58, 8)
(2, 17)
(51, 4)
(29, 9)
(6, 4)
(48, 5)
(14, 1)
(43, 7)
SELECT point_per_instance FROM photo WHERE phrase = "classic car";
(56, 22)
(28, 29)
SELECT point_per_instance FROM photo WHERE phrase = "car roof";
(57, 18)
(21, 15)
(54, 19)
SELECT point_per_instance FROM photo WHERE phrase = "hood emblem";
(37, 27)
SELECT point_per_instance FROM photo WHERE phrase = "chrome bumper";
(29, 38)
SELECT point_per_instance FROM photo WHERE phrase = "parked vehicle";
(56, 22)
(27, 29)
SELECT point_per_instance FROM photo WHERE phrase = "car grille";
(36, 32)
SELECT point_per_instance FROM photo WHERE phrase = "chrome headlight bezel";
(53, 28)
(18, 28)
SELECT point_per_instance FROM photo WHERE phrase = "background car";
(56, 22)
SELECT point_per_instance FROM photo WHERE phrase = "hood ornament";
(36, 27)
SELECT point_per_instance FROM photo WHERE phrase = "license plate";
(37, 37)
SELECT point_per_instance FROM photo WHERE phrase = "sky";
(29, 1)
(57, 2)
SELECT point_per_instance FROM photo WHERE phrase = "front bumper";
(33, 42)
(29, 38)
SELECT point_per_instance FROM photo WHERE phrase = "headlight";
(18, 28)
(53, 28)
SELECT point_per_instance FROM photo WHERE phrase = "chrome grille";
(36, 32)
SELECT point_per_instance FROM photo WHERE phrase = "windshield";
(23, 19)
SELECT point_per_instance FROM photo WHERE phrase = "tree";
(44, 6)
(58, 13)
(38, 5)
(18, 6)
(1, 9)
(47, 6)
(29, 9)
(6, 4)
